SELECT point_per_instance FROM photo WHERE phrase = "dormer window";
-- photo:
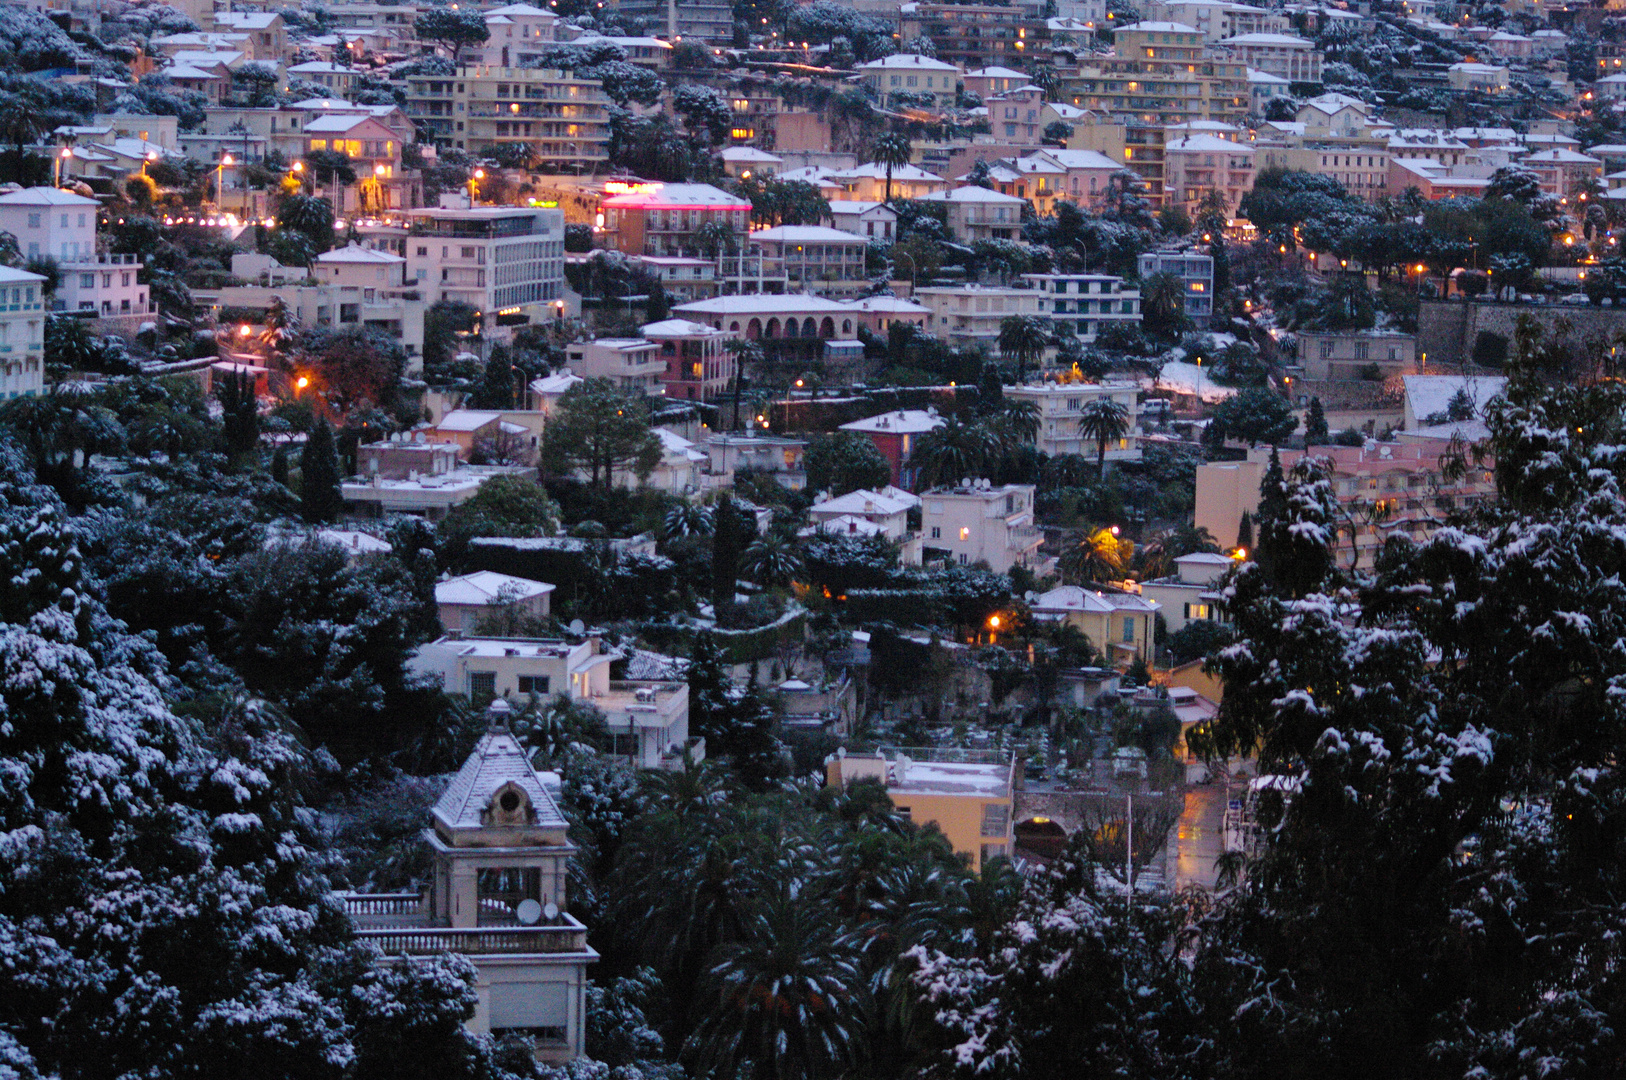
(510, 806)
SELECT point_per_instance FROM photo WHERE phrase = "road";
(1195, 842)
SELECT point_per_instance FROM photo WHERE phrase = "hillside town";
(765, 540)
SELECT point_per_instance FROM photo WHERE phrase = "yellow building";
(966, 793)
(563, 121)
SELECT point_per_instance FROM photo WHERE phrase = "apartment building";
(60, 225)
(871, 220)
(1354, 354)
(562, 120)
(505, 261)
(694, 364)
(1082, 305)
(933, 81)
(977, 35)
(1048, 176)
(1191, 594)
(1360, 163)
(1216, 19)
(814, 259)
(1285, 56)
(1195, 165)
(22, 334)
(703, 20)
(980, 522)
(633, 364)
(1382, 489)
(967, 794)
(729, 452)
(1560, 170)
(664, 219)
(1193, 268)
(971, 314)
(872, 513)
(977, 213)
(1061, 404)
(1477, 78)
(468, 599)
(520, 34)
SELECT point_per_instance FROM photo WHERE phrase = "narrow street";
(1194, 844)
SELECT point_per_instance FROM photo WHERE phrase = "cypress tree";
(496, 390)
(279, 465)
(319, 498)
(1315, 424)
(1244, 532)
(726, 544)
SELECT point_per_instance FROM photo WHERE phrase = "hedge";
(738, 646)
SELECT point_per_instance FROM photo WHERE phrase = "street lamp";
(146, 159)
(220, 180)
(474, 178)
(66, 153)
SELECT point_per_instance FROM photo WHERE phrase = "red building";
(894, 434)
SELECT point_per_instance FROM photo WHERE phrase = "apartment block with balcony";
(983, 523)
(694, 364)
(1082, 305)
(1285, 56)
(704, 20)
(814, 259)
(976, 213)
(672, 219)
(109, 285)
(633, 364)
(22, 333)
(507, 262)
(1061, 404)
(562, 120)
(1352, 354)
(978, 35)
(1195, 165)
(971, 314)
(1196, 272)
(904, 77)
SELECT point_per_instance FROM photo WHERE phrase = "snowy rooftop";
(864, 501)
(467, 419)
(807, 234)
(1430, 394)
(498, 761)
(485, 587)
(901, 422)
(1069, 598)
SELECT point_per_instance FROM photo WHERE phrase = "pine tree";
(727, 543)
(319, 498)
(1244, 532)
(496, 390)
(279, 465)
(1315, 424)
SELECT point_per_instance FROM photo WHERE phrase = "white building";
(1197, 164)
(934, 81)
(813, 259)
(871, 220)
(872, 513)
(1083, 305)
(983, 523)
(1119, 624)
(50, 223)
(649, 721)
(1282, 55)
(22, 334)
(1061, 404)
(968, 314)
(633, 364)
(465, 600)
(976, 213)
(507, 262)
(1194, 269)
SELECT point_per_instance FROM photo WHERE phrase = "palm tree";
(771, 561)
(687, 519)
(1020, 419)
(1023, 338)
(715, 238)
(1100, 556)
(785, 1003)
(748, 355)
(893, 151)
(1163, 302)
(1103, 420)
(953, 451)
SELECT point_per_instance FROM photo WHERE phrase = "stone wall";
(1447, 330)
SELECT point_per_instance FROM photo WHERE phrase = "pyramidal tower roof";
(498, 762)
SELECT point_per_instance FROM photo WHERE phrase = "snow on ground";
(1183, 378)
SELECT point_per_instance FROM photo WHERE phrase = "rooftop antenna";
(577, 627)
(528, 912)
(497, 714)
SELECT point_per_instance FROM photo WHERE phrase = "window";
(1326, 350)
(965, 533)
(87, 281)
(482, 684)
(1362, 350)
(625, 746)
(937, 532)
(33, 221)
(1197, 611)
(996, 818)
(1129, 630)
(533, 684)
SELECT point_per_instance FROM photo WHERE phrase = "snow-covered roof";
(498, 761)
(321, 67)
(485, 587)
(808, 234)
(678, 195)
(876, 171)
(764, 304)
(1562, 156)
(1211, 144)
(336, 123)
(355, 253)
(1265, 78)
(750, 154)
(972, 194)
(862, 501)
(521, 10)
(554, 384)
(900, 422)
(1268, 39)
(1160, 28)
(1430, 394)
(1067, 598)
(1081, 159)
(467, 419)
(907, 61)
(996, 73)
(845, 525)
(1184, 378)
(678, 328)
(44, 196)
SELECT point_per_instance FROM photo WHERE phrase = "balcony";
(397, 923)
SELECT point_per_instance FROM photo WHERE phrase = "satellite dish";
(551, 910)
(577, 627)
(529, 912)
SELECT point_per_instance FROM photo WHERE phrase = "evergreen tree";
(1315, 424)
(279, 465)
(731, 531)
(240, 412)
(319, 497)
(1244, 532)
(496, 389)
